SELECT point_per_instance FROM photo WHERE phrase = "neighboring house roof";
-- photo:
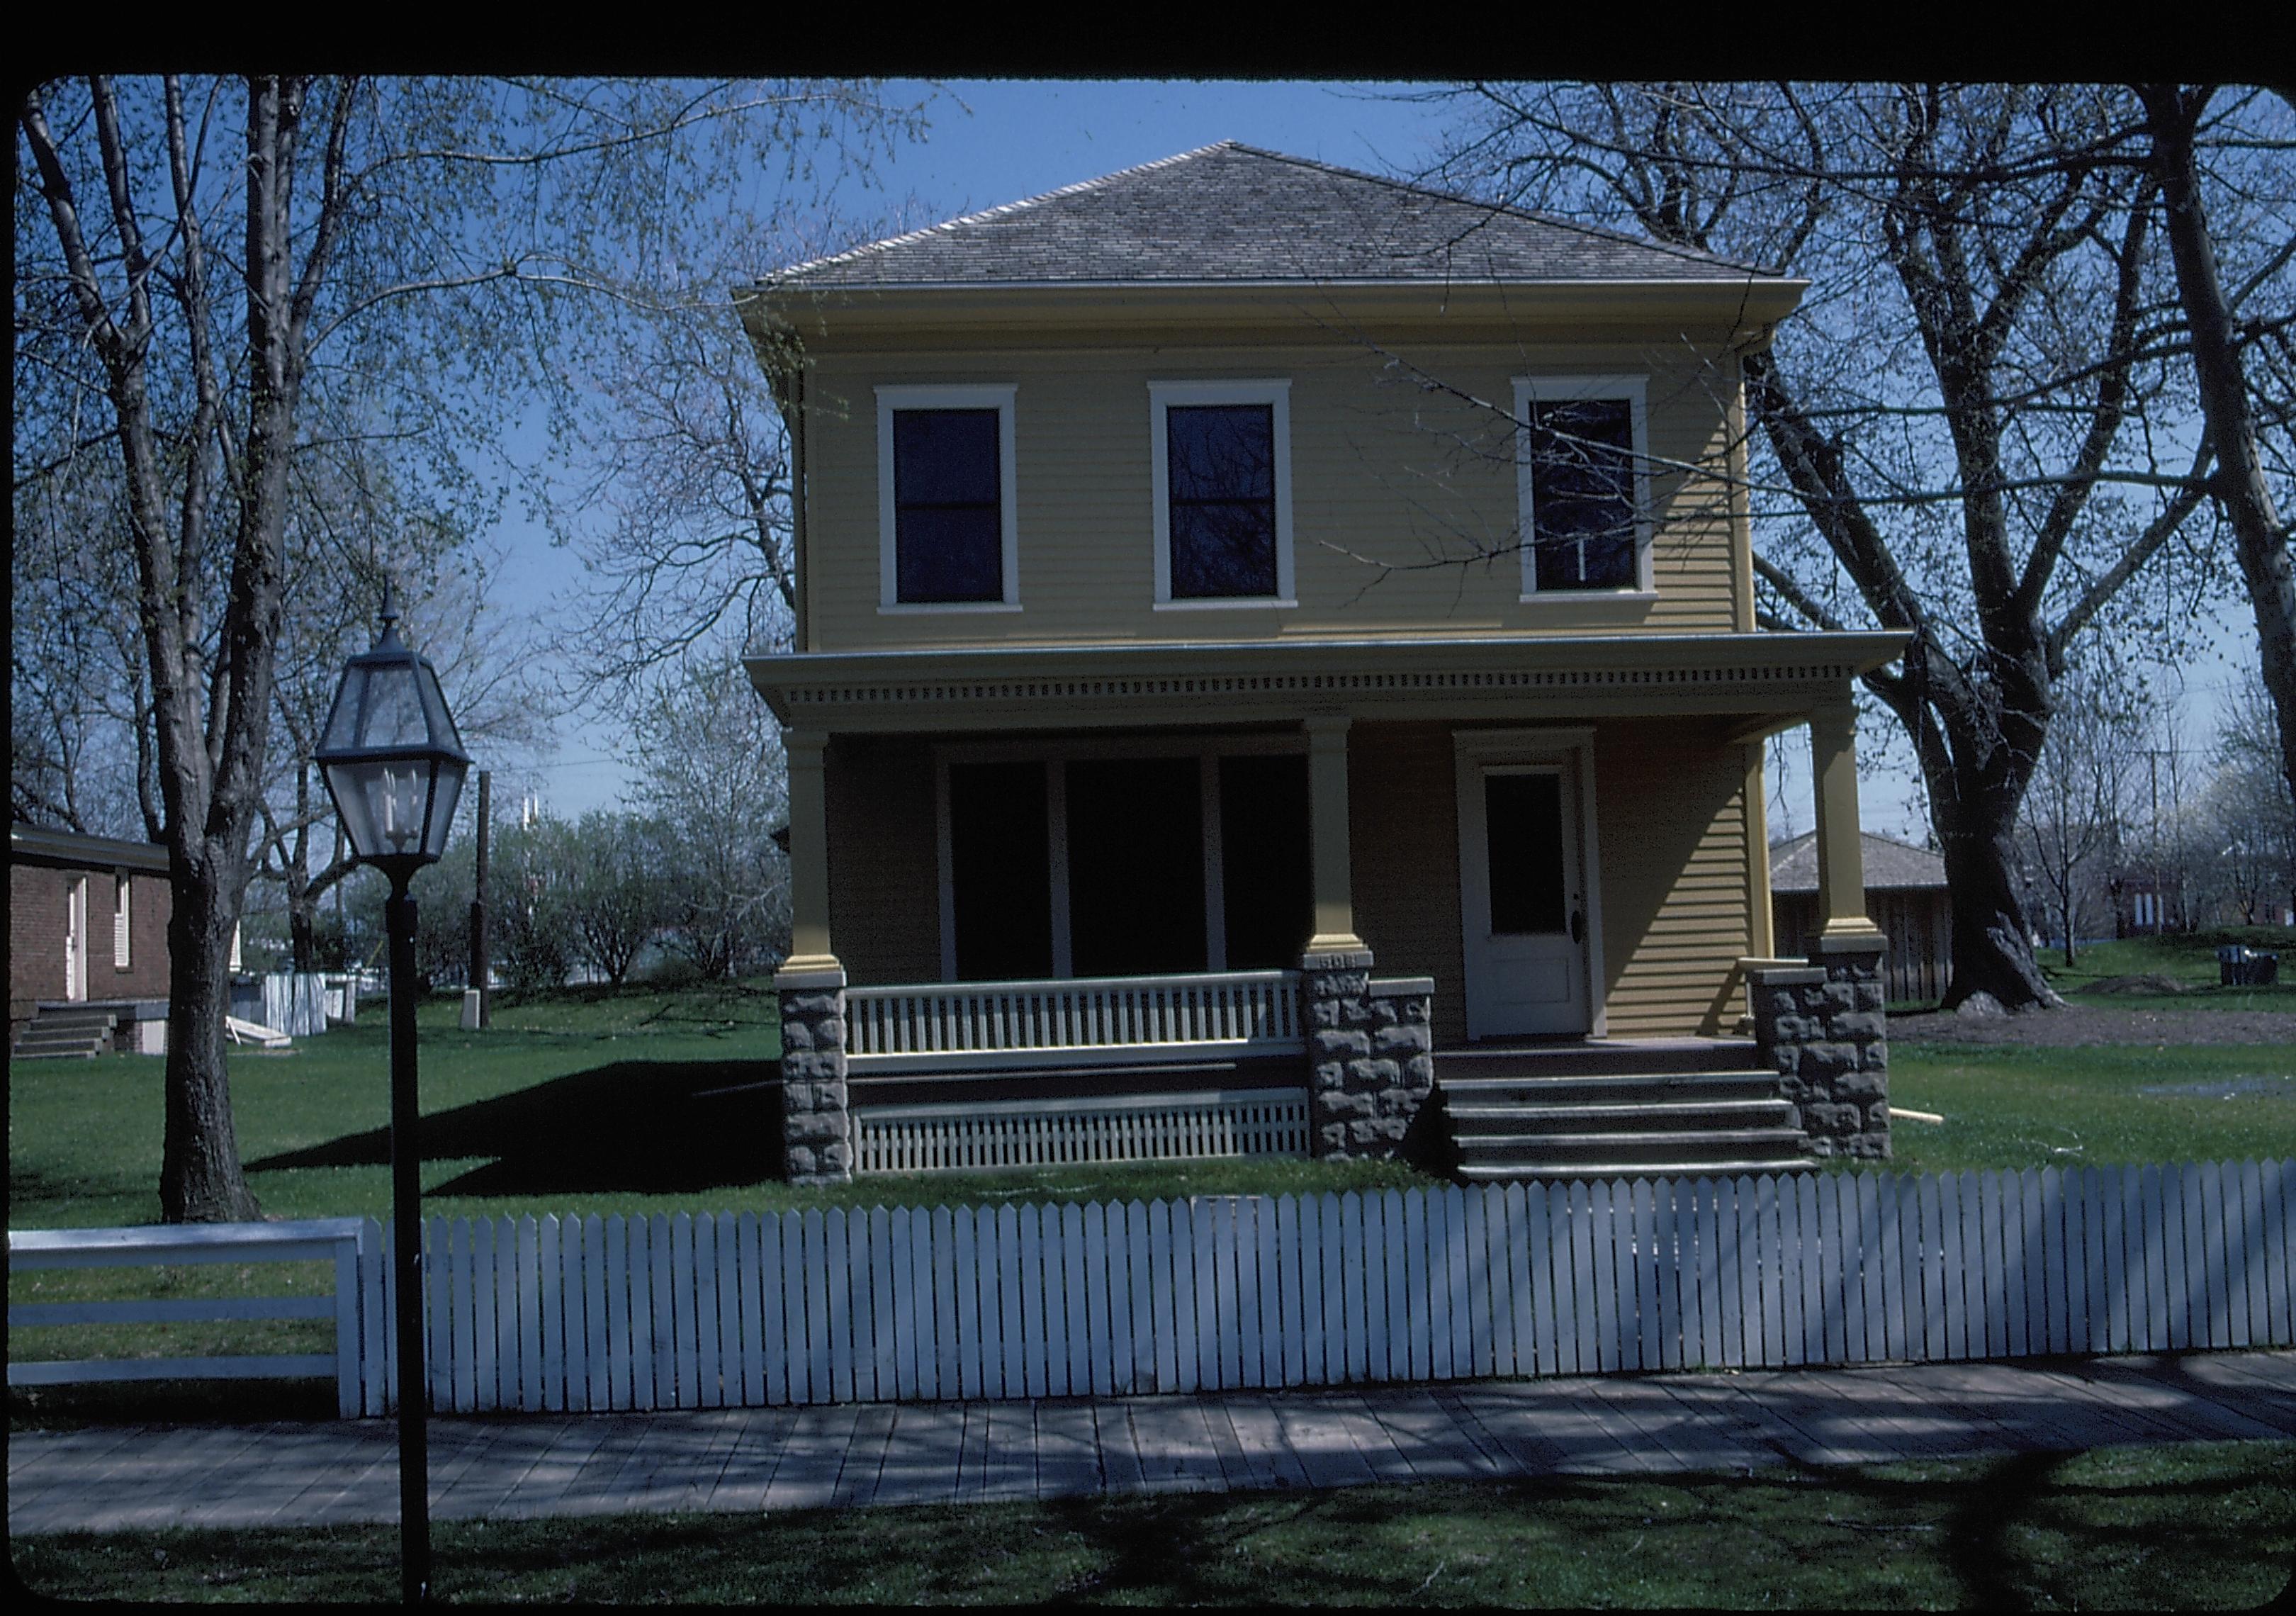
(1231, 213)
(29, 844)
(1890, 866)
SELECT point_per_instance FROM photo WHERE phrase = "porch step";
(1702, 1087)
(1594, 1057)
(1478, 1120)
(66, 1034)
(1678, 1171)
(1599, 1109)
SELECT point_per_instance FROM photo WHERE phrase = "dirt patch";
(2083, 1026)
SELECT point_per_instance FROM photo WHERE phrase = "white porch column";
(1840, 861)
(810, 951)
(1327, 824)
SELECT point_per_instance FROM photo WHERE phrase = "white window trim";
(997, 395)
(122, 903)
(1277, 395)
(1056, 755)
(1634, 391)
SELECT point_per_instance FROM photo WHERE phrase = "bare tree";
(2071, 823)
(200, 263)
(714, 776)
(1964, 435)
(2224, 321)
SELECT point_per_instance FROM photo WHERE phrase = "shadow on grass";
(648, 1127)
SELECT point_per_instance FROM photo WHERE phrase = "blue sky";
(993, 142)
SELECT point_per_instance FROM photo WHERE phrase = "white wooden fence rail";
(1042, 1022)
(959, 1136)
(1517, 1279)
(353, 1244)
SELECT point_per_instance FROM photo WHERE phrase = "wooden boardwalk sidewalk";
(854, 1455)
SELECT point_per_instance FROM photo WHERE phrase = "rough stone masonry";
(1821, 1026)
(817, 1142)
(1370, 1055)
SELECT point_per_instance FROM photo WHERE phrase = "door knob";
(1577, 925)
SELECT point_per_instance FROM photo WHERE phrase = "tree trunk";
(2239, 485)
(1992, 941)
(201, 1180)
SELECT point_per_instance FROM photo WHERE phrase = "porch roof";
(1770, 679)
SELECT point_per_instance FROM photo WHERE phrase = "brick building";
(87, 927)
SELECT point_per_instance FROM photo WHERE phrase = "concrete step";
(66, 1032)
(1704, 1087)
(1594, 1057)
(1689, 1115)
(1655, 1145)
(1500, 1172)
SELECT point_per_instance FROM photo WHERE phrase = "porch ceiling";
(1767, 680)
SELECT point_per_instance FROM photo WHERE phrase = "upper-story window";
(948, 536)
(1223, 482)
(1584, 487)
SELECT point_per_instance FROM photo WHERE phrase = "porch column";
(1840, 861)
(817, 1129)
(1327, 826)
(808, 853)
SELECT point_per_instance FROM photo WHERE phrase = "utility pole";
(479, 1007)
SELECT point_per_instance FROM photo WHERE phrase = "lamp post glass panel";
(394, 765)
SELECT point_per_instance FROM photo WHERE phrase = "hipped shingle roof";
(1235, 213)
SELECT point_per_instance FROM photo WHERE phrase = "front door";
(1523, 899)
(76, 941)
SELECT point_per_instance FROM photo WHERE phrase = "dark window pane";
(1522, 829)
(944, 457)
(1000, 872)
(1135, 838)
(1222, 550)
(949, 556)
(1267, 888)
(948, 525)
(1221, 489)
(1582, 489)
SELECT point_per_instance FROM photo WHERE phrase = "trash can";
(2239, 966)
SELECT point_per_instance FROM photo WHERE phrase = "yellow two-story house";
(1269, 637)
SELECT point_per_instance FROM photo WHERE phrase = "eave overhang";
(867, 316)
(1764, 680)
(71, 850)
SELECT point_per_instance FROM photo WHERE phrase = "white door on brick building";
(76, 940)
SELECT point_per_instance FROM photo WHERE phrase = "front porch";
(1174, 923)
(991, 1076)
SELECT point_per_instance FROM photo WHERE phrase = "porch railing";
(1124, 1020)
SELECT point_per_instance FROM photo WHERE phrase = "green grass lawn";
(651, 1102)
(2189, 959)
(2196, 1527)
(2010, 1107)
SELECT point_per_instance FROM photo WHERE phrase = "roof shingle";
(1233, 213)
(1890, 866)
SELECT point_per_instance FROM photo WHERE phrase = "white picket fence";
(1516, 1279)
(1128, 1018)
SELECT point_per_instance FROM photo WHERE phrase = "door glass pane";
(1001, 876)
(1523, 828)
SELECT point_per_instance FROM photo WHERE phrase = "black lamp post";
(394, 765)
